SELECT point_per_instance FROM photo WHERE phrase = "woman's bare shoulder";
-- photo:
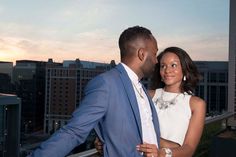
(197, 102)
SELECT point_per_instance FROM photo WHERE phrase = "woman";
(181, 114)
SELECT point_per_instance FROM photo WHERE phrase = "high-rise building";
(10, 108)
(6, 68)
(232, 62)
(6, 85)
(213, 87)
(29, 80)
(65, 84)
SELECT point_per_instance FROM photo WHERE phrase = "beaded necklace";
(163, 104)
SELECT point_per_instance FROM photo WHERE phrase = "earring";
(184, 78)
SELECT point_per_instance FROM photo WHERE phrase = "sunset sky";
(89, 29)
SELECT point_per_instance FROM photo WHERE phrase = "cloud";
(200, 47)
(99, 45)
(85, 30)
(1, 9)
(95, 46)
(9, 50)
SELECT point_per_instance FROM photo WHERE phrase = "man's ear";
(141, 53)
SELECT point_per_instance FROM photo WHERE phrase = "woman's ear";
(141, 53)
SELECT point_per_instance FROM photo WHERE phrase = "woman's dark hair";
(188, 67)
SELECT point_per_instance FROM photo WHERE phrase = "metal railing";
(88, 153)
(208, 120)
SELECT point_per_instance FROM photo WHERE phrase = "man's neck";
(133, 68)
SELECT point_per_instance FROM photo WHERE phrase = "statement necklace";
(162, 104)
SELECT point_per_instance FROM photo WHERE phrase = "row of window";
(217, 77)
(216, 97)
(61, 72)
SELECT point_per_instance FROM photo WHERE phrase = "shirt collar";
(132, 75)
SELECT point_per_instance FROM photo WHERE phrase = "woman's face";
(171, 70)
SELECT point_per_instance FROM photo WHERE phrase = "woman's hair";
(188, 67)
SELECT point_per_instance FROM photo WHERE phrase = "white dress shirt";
(149, 134)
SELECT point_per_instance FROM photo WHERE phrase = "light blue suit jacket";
(110, 106)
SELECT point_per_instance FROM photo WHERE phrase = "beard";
(148, 68)
(148, 72)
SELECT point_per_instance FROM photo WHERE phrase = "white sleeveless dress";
(174, 117)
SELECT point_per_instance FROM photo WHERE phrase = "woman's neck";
(172, 89)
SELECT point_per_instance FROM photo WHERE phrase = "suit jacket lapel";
(131, 96)
(154, 117)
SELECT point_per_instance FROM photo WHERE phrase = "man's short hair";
(129, 35)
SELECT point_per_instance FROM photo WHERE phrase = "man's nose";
(156, 61)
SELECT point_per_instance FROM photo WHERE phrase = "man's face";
(151, 59)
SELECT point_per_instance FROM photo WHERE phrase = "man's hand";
(98, 145)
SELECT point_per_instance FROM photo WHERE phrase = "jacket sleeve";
(91, 110)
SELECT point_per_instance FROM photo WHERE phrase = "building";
(232, 62)
(65, 84)
(10, 108)
(29, 80)
(6, 68)
(213, 87)
(6, 85)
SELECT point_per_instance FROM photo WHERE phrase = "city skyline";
(89, 30)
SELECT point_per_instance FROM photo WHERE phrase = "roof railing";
(208, 120)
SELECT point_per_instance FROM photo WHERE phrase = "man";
(115, 104)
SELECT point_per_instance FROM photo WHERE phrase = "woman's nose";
(167, 69)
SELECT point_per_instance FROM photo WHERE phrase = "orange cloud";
(88, 46)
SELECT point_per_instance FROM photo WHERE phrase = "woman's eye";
(174, 65)
(163, 66)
